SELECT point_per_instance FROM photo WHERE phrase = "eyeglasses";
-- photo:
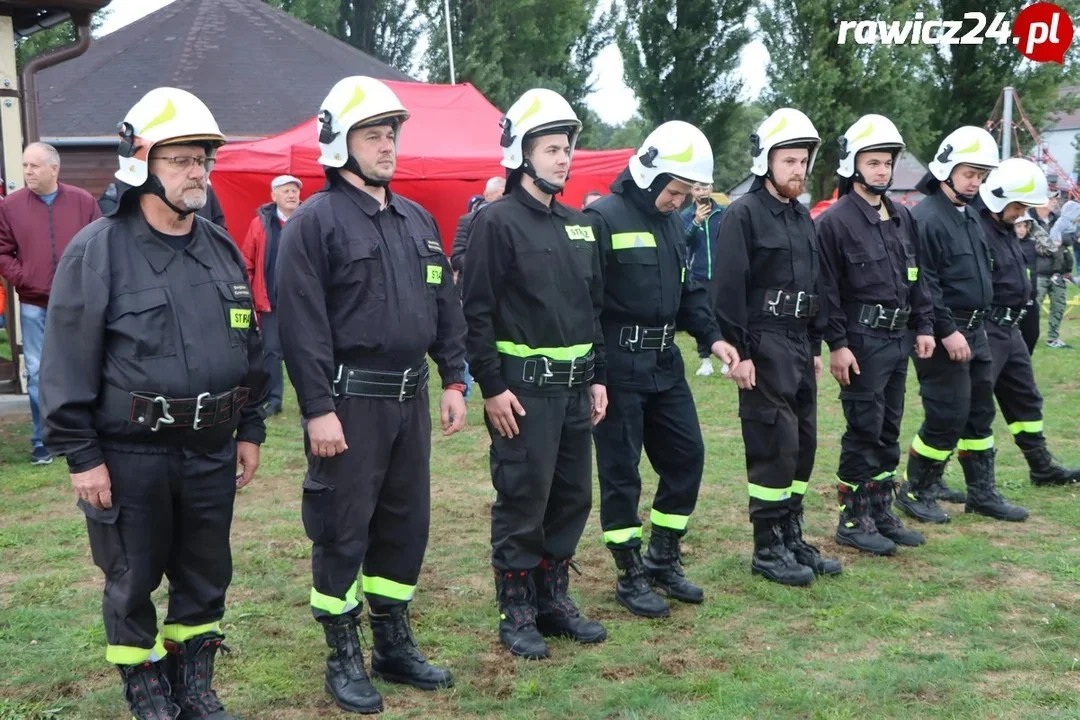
(184, 162)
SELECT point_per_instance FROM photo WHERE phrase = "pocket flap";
(758, 411)
(866, 253)
(235, 291)
(510, 454)
(136, 302)
(311, 485)
(637, 256)
(427, 246)
(360, 250)
(108, 516)
(856, 396)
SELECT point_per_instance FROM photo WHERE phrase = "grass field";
(980, 623)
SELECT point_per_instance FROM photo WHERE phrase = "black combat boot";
(663, 563)
(147, 692)
(1045, 470)
(917, 497)
(190, 667)
(881, 500)
(772, 558)
(517, 614)
(394, 655)
(939, 489)
(556, 613)
(856, 527)
(805, 553)
(346, 680)
(634, 591)
(983, 497)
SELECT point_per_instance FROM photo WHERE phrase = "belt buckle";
(895, 317)
(663, 337)
(775, 303)
(1020, 317)
(635, 339)
(337, 380)
(975, 316)
(404, 382)
(570, 375)
(798, 302)
(197, 422)
(547, 372)
(166, 418)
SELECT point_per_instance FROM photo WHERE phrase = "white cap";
(285, 180)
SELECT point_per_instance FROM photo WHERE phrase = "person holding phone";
(701, 222)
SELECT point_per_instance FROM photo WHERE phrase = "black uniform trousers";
(874, 407)
(666, 423)
(543, 479)
(369, 508)
(171, 514)
(958, 400)
(779, 420)
(1014, 386)
(1029, 327)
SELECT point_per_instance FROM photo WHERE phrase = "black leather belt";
(1007, 316)
(402, 386)
(636, 338)
(157, 411)
(879, 317)
(798, 305)
(540, 371)
(968, 319)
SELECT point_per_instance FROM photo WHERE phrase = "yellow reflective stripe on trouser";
(845, 483)
(618, 537)
(882, 476)
(125, 655)
(388, 588)
(1030, 426)
(333, 605)
(976, 444)
(926, 451)
(768, 494)
(564, 353)
(671, 522)
(626, 241)
(183, 633)
(798, 487)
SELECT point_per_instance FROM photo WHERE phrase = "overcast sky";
(612, 100)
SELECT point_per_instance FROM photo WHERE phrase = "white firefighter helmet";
(356, 100)
(870, 132)
(968, 145)
(536, 110)
(164, 116)
(786, 127)
(675, 148)
(1014, 180)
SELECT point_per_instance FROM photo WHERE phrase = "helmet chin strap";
(875, 189)
(545, 186)
(962, 197)
(154, 187)
(354, 167)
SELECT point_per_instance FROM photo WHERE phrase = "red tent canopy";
(448, 150)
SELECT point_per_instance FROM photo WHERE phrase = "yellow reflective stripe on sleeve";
(627, 241)
(566, 353)
(798, 487)
(126, 655)
(183, 633)
(976, 444)
(926, 451)
(671, 522)
(387, 588)
(760, 492)
(332, 605)
(618, 537)
(1030, 426)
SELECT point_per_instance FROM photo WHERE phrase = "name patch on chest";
(434, 274)
(240, 290)
(580, 232)
(912, 274)
(239, 318)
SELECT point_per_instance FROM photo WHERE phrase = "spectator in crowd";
(590, 197)
(260, 248)
(1055, 264)
(1029, 326)
(36, 224)
(701, 222)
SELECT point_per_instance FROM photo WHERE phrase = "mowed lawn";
(980, 623)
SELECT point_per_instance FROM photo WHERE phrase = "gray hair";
(493, 184)
(51, 155)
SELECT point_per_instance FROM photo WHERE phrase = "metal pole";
(1007, 125)
(449, 42)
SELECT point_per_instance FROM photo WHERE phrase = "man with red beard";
(767, 293)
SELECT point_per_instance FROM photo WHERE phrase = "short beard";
(193, 203)
(791, 190)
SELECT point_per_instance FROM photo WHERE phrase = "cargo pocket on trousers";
(759, 427)
(106, 545)
(860, 409)
(509, 467)
(317, 511)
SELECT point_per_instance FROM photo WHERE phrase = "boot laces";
(198, 674)
(517, 599)
(557, 580)
(401, 634)
(147, 691)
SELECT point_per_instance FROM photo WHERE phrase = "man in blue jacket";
(701, 220)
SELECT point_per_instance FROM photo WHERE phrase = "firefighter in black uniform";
(151, 384)
(1010, 189)
(768, 295)
(646, 293)
(872, 296)
(364, 294)
(532, 302)
(955, 382)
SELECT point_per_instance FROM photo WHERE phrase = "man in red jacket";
(36, 224)
(260, 249)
